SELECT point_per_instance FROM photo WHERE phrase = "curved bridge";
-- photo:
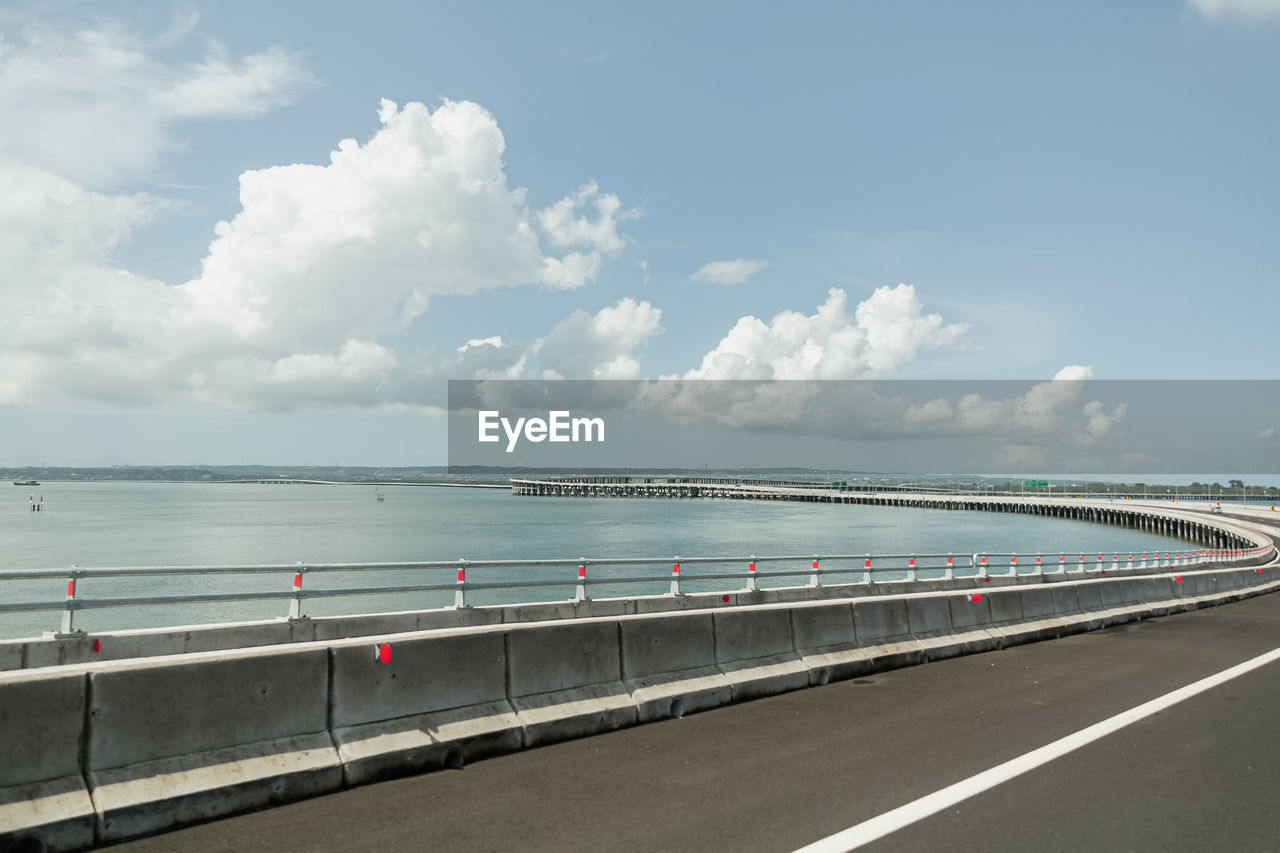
(116, 749)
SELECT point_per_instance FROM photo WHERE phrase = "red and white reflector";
(582, 572)
(975, 598)
(675, 568)
(297, 580)
(382, 653)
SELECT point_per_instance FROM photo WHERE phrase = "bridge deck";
(785, 771)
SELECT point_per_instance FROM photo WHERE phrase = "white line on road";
(892, 821)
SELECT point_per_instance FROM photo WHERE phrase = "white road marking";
(930, 804)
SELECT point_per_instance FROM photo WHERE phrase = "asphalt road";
(781, 772)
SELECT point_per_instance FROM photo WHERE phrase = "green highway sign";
(1035, 482)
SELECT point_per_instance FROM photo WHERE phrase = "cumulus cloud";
(1239, 10)
(728, 272)
(322, 253)
(888, 329)
(298, 289)
(565, 227)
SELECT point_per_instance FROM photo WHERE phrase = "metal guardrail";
(863, 567)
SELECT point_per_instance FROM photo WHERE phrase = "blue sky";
(1083, 184)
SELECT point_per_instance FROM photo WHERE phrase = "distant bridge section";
(1149, 517)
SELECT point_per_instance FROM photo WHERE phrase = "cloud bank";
(297, 290)
(887, 329)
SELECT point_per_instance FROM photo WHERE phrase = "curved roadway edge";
(122, 749)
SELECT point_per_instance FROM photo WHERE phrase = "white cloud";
(888, 329)
(353, 249)
(1000, 424)
(564, 227)
(1240, 10)
(297, 290)
(1267, 434)
(599, 346)
(728, 272)
(96, 108)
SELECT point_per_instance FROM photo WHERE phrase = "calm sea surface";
(151, 524)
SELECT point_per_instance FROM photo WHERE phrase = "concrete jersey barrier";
(124, 748)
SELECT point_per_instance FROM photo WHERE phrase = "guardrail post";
(813, 576)
(1143, 564)
(751, 573)
(295, 603)
(911, 567)
(580, 592)
(675, 577)
(866, 566)
(1130, 565)
(1039, 566)
(68, 612)
(1083, 568)
(1062, 562)
(1013, 565)
(950, 574)
(460, 594)
(982, 567)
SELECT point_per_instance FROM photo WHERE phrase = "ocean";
(94, 524)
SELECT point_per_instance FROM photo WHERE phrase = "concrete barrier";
(1006, 606)
(117, 645)
(184, 740)
(669, 665)
(42, 792)
(1066, 599)
(437, 700)
(933, 627)
(826, 642)
(884, 625)
(12, 654)
(756, 653)
(565, 680)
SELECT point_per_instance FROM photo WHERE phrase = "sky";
(270, 233)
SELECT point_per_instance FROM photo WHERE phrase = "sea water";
(94, 524)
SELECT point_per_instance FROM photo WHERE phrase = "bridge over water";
(116, 749)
